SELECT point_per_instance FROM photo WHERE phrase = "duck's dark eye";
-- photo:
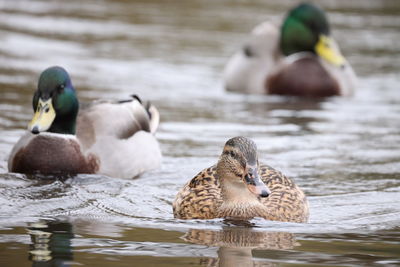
(60, 88)
(230, 153)
(248, 51)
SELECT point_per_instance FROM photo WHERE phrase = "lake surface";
(344, 152)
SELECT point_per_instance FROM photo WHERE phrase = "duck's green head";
(306, 29)
(55, 103)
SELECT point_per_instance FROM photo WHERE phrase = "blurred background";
(344, 152)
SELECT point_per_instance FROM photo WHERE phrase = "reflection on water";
(241, 237)
(235, 244)
(51, 243)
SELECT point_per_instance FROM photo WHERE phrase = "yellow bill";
(43, 117)
(327, 49)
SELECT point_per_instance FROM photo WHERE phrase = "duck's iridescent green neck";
(302, 28)
(56, 96)
(66, 106)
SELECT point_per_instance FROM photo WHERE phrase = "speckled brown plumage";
(200, 197)
(287, 202)
(203, 198)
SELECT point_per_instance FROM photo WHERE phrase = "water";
(344, 152)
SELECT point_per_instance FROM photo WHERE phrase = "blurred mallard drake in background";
(301, 59)
(111, 138)
(239, 187)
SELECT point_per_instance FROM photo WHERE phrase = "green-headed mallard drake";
(239, 187)
(110, 138)
(301, 59)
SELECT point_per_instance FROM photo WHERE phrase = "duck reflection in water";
(236, 244)
(51, 243)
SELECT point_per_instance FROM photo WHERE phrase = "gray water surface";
(344, 152)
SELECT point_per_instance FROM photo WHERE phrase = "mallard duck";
(300, 59)
(111, 138)
(238, 187)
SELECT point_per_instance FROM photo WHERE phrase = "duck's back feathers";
(118, 119)
(121, 135)
(247, 69)
(154, 117)
(31, 155)
(287, 202)
(200, 197)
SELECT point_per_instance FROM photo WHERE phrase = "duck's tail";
(152, 111)
(154, 117)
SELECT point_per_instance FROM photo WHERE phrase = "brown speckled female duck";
(239, 187)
